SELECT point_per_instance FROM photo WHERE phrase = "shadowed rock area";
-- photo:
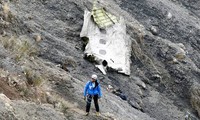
(43, 70)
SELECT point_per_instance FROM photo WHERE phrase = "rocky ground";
(43, 70)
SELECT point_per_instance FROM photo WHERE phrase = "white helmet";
(94, 76)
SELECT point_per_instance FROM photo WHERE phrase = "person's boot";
(87, 113)
(97, 113)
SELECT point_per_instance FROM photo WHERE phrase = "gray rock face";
(20, 110)
(195, 97)
(165, 63)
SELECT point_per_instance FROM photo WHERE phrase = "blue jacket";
(89, 89)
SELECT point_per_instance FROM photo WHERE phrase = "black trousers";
(89, 100)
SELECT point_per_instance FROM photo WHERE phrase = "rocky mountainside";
(43, 69)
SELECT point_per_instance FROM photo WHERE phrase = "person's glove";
(84, 98)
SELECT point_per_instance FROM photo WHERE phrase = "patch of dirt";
(9, 91)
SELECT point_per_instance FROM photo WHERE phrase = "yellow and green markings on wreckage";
(102, 18)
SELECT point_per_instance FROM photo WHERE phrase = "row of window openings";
(102, 41)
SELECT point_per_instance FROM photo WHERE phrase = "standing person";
(92, 90)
